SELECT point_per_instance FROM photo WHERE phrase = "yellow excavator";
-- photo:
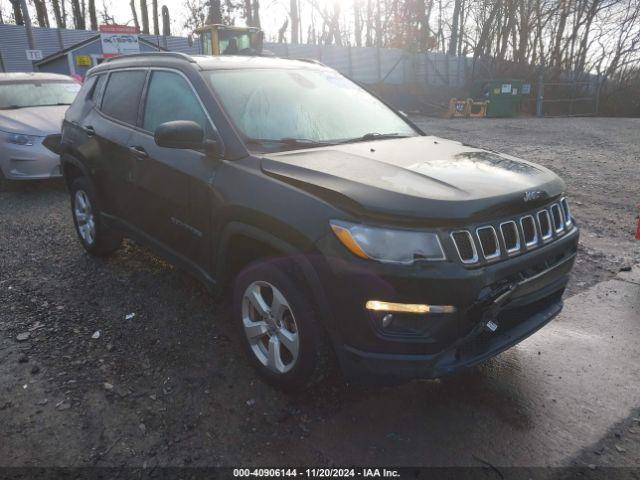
(226, 40)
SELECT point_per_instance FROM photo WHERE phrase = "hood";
(420, 177)
(38, 121)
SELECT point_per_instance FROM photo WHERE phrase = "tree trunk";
(17, 12)
(215, 12)
(154, 10)
(556, 57)
(283, 31)
(256, 13)
(295, 21)
(248, 13)
(166, 22)
(41, 13)
(76, 11)
(357, 19)
(144, 16)
(134, 13)
(57, 13)
(453, 41)
(93, 17)
(63, 3)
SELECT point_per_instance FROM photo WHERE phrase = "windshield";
(313, 106)
(37, 93)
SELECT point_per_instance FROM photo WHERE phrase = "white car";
(32, 106)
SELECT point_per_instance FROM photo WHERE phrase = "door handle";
(89, 130)
(138, 152)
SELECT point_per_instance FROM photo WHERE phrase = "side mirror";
(183, 134)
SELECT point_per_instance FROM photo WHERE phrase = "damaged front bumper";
(498, 329)
(497, 308)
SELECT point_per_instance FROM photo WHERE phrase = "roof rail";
(311, 60)
(176, 55)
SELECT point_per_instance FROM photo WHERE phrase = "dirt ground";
(599, 160)
(128, 361)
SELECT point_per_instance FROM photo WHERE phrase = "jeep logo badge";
(532, 195)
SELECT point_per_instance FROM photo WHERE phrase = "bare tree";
(17, 12)
(134, 14)
(154, 11)
(295, 21)
(57, 13)
(166, 22)
(78, 18)
(215, 12)
(93, 17)
(41, 13)
(144, 16)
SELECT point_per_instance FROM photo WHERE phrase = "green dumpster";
(504, 96)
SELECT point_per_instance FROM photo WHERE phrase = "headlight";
(387, 245)
(19, 138)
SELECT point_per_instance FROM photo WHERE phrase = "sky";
(272, 13)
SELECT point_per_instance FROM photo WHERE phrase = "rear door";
(112, 125)
(174, 185)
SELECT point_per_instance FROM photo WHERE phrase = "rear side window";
(98, 89)
(122, 95)
(169, 98)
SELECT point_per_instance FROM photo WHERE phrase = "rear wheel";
(96, 237)
(278, 325)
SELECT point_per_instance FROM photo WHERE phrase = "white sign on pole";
(118, 40)
(34, 55)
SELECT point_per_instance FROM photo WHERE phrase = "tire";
(298, 319)
(96, 238)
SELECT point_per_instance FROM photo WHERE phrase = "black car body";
(503, 225)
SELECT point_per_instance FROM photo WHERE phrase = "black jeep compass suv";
(342, 231)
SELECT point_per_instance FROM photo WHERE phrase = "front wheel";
(95, 236)
(278, 325)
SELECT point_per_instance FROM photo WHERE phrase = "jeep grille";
(512, 236)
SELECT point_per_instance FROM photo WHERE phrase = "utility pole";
(540, 96)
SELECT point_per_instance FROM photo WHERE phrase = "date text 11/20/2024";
(316, 472)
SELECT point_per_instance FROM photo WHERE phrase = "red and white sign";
(118, 40)
(118, 29)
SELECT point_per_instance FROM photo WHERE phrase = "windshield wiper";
(294, 142)
(12, 107)
(52, 104)
(373, 136)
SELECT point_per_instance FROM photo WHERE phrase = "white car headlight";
(388, 245)
(19, 138)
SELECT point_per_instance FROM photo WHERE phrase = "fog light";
(386, 320)
(378, 306)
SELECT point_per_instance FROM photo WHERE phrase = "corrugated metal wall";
(386, 65)
(13, 43)
(366, 65)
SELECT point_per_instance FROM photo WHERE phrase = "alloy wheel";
(270, 326)
(84, 217)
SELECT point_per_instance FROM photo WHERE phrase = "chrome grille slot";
(488, 242)
(568, 221)
(510, 236)
(463, 242)
(529, 231)
(558, 221)
(545, 225)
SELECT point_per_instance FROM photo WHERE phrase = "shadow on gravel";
(31, 186)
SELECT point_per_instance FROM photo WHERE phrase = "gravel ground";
(82, 382)
(598, 158)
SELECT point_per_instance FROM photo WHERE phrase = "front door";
(174, 184)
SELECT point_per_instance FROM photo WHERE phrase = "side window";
(122, 95)
(84, 94)
(169, 98)
(97, 90)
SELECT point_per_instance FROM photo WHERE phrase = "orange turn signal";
(347, 240)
